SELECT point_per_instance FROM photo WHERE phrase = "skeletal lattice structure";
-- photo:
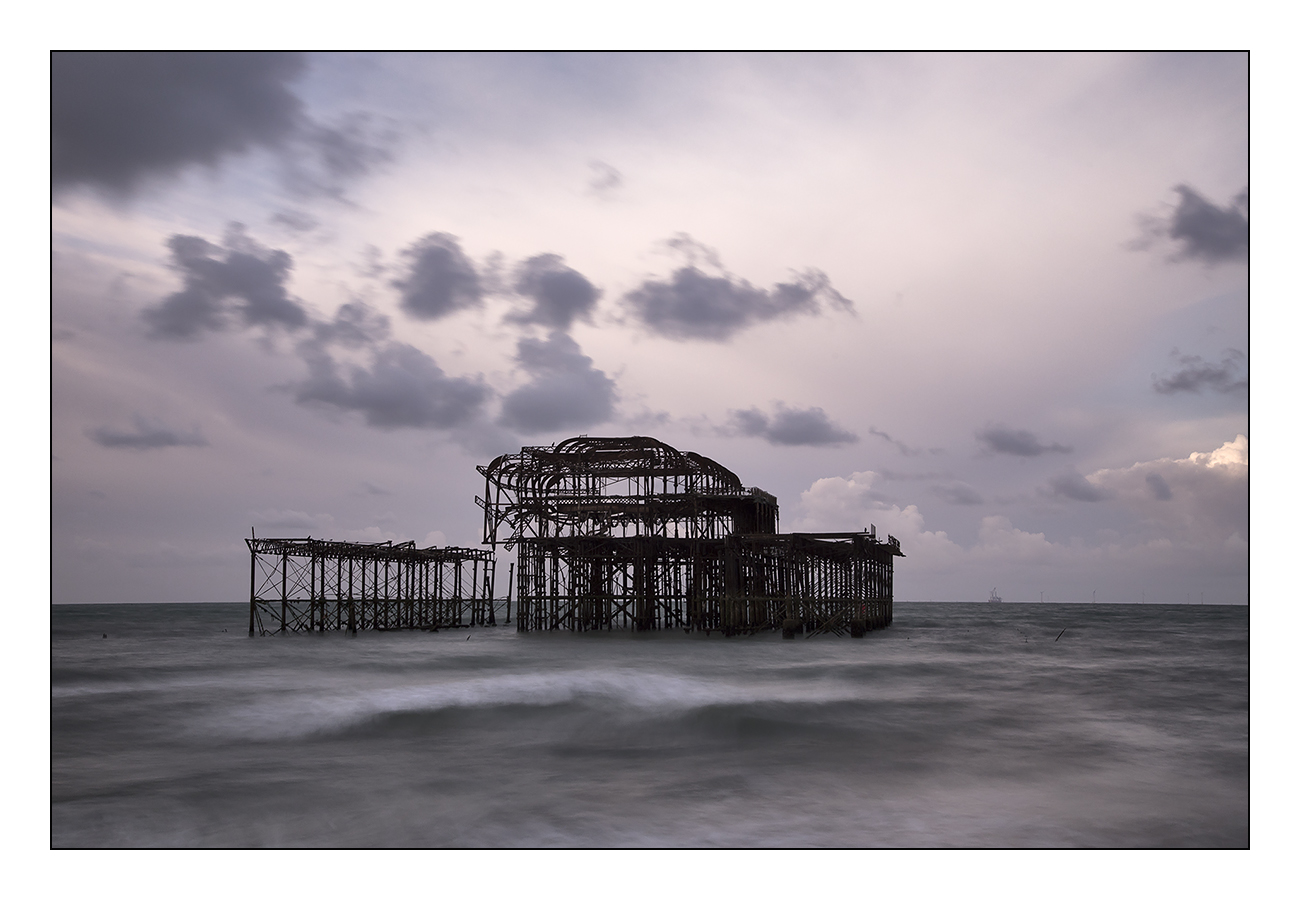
(628, 532)
(307, 584)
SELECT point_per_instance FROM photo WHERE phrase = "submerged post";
(510, 585)
(252, 585)
(284, 588)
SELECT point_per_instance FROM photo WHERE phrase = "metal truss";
(616, 487)
(632, 533)
(305, 584)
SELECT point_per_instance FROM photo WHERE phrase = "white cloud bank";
(1186, 532)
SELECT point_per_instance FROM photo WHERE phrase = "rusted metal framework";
(305, 584)
(629, 532)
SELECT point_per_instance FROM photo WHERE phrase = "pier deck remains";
(632, 533)
(610, 533)
(305, 584)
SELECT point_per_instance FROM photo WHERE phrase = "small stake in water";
(1058, 637)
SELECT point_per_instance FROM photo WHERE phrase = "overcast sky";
(994, 305)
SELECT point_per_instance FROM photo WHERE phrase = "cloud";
(1200, 531)
(1204, 231)
(694, 252)
(296, 220)
(402, 387)
(355, 324)
(894, 475)
(336, 155)
(902, 448)
(1001, 439)
(118, 120)
(1208, 232)
(148, 434)
(1159, 487)
(565, 391)
(1201, 526)
(1073, 486)
(958, 494)
(440, 279)
(1202, 498)
(792, 427)
(853, 504)
(1195, 373)
(244, 270)
(559, 294)
(696, 306)
(605, 179)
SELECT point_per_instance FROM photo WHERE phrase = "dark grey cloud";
(1074, 486)
(398, 386)
(242, 271)
(1208, 232)
(1194, 373)
(566, 391)
(902, 448)
(1203, 230)
(1016, 442)
(117, 118)
(958, 494)
(697, 306)
(355, 324)
(792, 427)
(559, 294)
(120, 119)
(148, 434)
(1159, 487)
(440, 279)
(402, 387)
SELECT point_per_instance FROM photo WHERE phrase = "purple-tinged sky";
(993, 304)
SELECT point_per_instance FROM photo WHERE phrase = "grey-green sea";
(961, 725)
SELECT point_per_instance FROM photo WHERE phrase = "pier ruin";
(610, 533)
(305, 584)
(632, 533)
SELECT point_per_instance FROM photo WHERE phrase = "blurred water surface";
(961, 725)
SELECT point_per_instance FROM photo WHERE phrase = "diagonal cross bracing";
(629, 532)
(307, 584)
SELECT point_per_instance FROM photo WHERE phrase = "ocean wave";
(304, 713)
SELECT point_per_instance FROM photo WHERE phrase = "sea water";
(970, 725)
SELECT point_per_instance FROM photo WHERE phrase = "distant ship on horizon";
(993, 596)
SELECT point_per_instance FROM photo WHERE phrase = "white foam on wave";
(331, 708)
